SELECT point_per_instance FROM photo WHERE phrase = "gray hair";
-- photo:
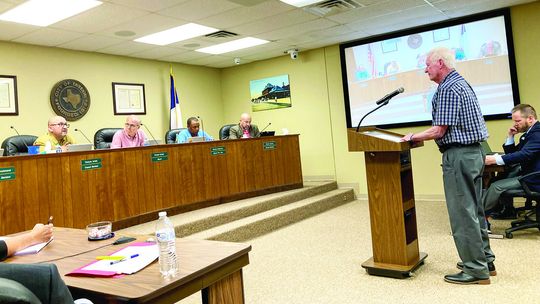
(445, 54)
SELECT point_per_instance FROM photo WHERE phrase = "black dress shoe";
(491, 268)
(465, 279)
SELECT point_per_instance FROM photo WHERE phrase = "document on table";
(137, 256)
(31, 249)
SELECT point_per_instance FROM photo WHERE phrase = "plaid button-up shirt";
(455, 105)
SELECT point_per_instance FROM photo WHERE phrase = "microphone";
(15, 130)
(390, 96)
(19, 135)
(268, 125)
(79, 130)
(149, 132)
(202, 128)
(381, 103)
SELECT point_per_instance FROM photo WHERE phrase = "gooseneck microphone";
(149, 132)
(15, 130)
(79, 130)
(268, 125)
(381, 103)
(202, 128)
(390, 96)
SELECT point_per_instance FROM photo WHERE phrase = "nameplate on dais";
(90, 164)
(269, 145)
(160, 156)
(7, 173)
(218, 150)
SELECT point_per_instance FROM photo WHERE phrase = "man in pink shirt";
(130, 136)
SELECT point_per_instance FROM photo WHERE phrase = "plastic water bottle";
(48, 146)
(168, 263)
(58, 149)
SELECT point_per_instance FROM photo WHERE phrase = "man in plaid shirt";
(458, 126)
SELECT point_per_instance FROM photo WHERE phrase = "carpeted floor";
(319, 260)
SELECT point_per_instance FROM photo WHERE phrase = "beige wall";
(38, 69)
(316, 80)
(219, 96)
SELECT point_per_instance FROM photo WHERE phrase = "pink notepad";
(145, 253)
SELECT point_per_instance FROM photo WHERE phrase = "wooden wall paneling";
(137, 183)
(191, 181)
(272, 160)
(80, 192)
(292, 165)
(53, 171)
(231, 174)
(11, 198)
(30, 175)
(215, 169)
(177, 174)
(163, 174)
(63, 212)
(100, 188)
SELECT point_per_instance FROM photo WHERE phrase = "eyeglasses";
(131, 125)
(61, 124)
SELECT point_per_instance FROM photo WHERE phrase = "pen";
(50, 220)
(131, 257)
(110, 257)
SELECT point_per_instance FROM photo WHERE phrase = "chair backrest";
(17, 144)
(170, 136)
(103, 137)
(224, 131)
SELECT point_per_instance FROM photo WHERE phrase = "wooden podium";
(391, 202)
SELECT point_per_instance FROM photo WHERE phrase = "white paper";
(31, 249)
(146, 255)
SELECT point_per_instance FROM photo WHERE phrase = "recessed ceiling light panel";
(47, 12)
(179, 33)
(301, 3)
(232, 45)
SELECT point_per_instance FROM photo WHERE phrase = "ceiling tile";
(243, 15)
(90, 43)
(99, 18)
(195, 10)
(184, 57)
(126, 48)
(375, 10)
(298, 29)
(157, 52)
(144, 25)
(48, 37)
(274, 23)
(149, 5)
(10, 30)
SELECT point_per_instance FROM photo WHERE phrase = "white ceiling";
(96, 30)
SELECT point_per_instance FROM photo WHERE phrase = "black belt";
(443, 148)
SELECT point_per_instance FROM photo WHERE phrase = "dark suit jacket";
(527, 154)
(237, 132)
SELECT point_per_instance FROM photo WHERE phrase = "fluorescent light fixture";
(300, 3)
(47, 12)
(232, 45)
(176, 34)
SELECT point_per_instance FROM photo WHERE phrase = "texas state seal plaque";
(70, 99)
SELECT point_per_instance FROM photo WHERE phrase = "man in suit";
(244, 129)
(526, 154)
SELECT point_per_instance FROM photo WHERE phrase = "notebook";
(79, 147)
(31, 249)
(152, 142)
(268, 133)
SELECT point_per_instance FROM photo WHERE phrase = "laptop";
(152, 142)
(79, 147)
(196, 139)
(268, 133)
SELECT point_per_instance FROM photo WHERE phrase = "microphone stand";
(202, 128)
(80, 131)
(268, 125)
(380, 106)
(149, 132)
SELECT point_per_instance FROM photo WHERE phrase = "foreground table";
(215, 268)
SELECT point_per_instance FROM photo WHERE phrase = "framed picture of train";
(270, 93)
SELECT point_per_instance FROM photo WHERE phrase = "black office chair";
(224, 131)
(17, 144)
(170, 136)
(103, 137)
(530, 196)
